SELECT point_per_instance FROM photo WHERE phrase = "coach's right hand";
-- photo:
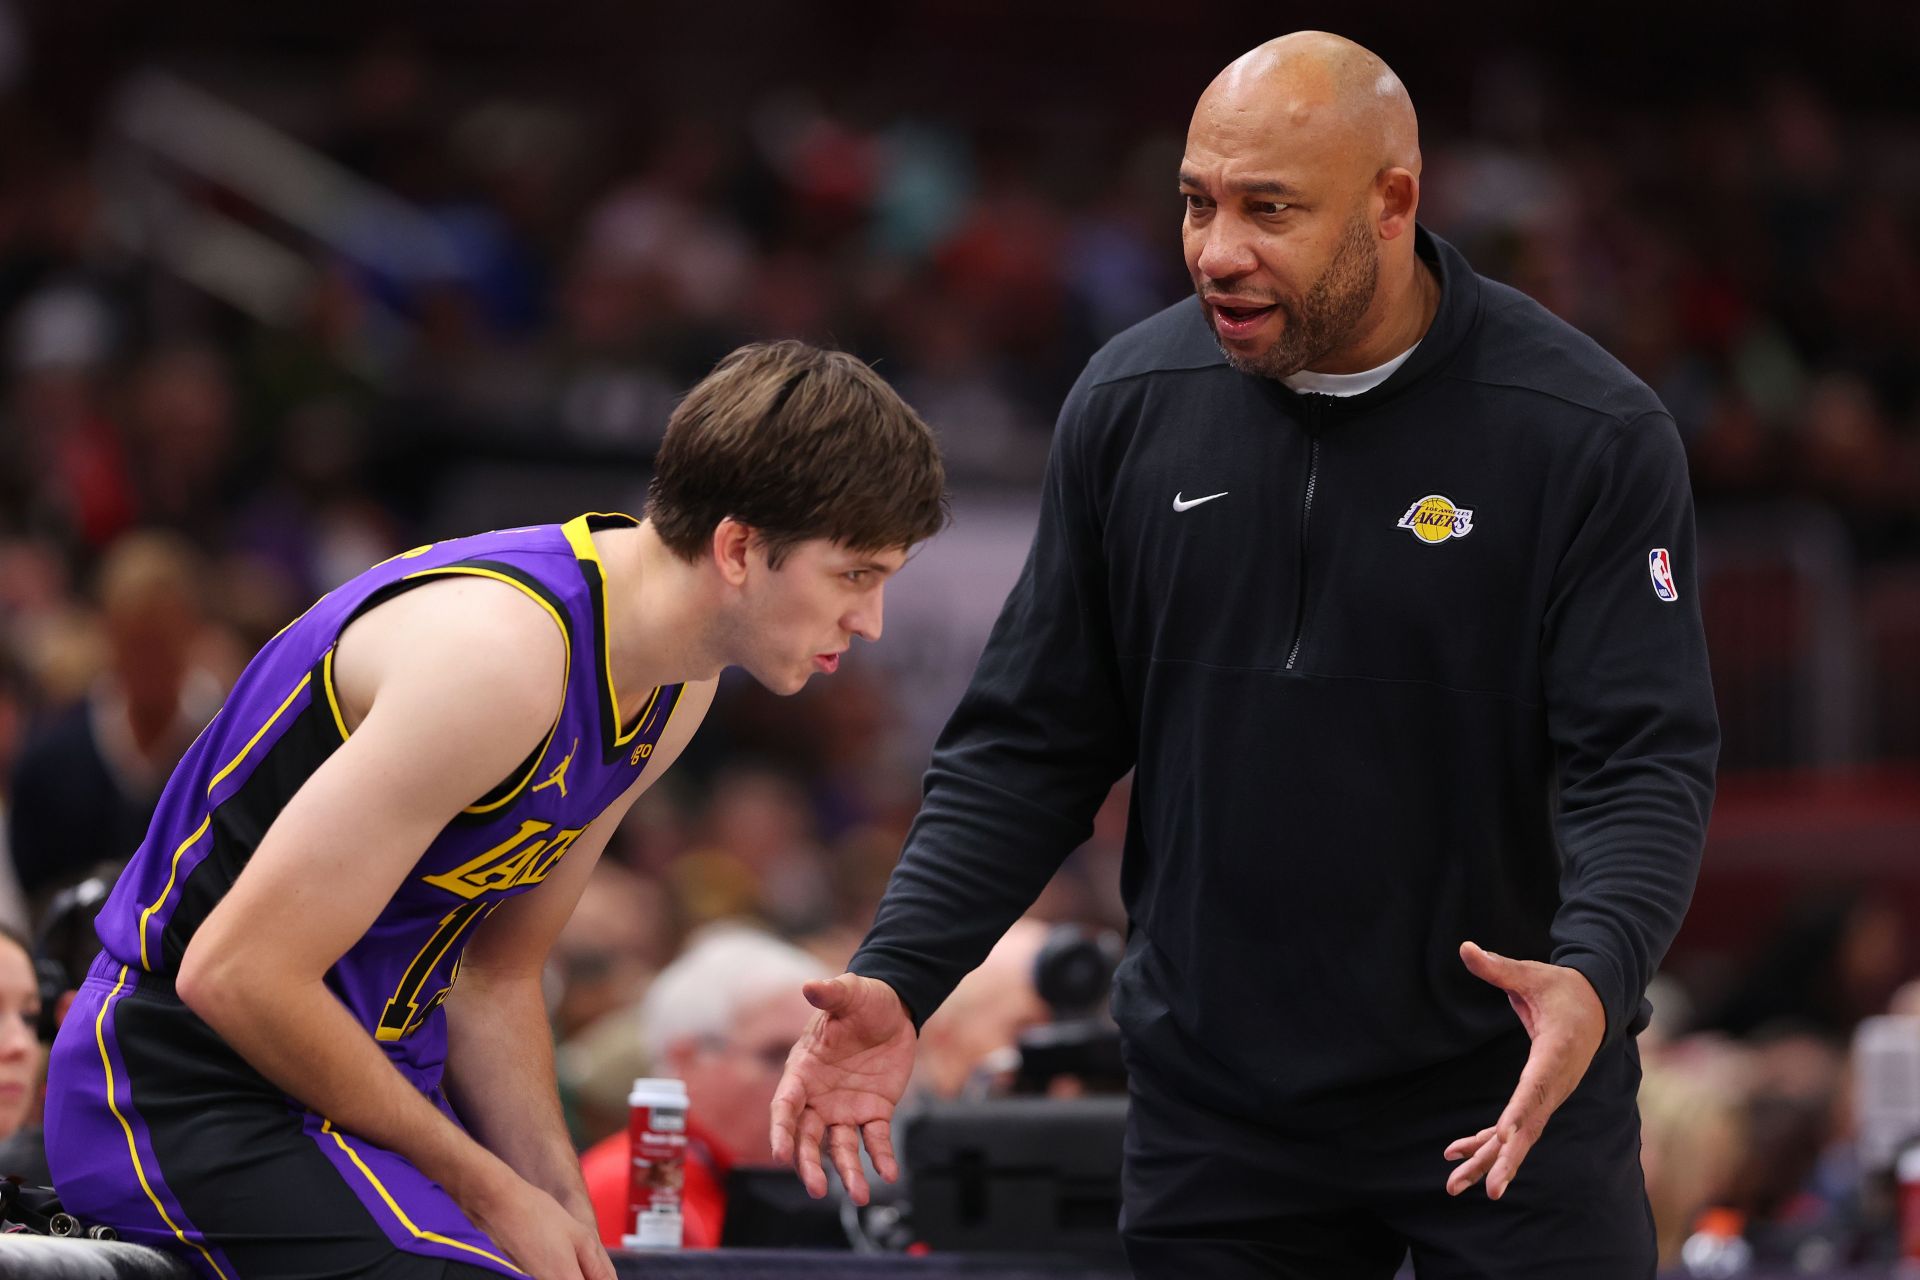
(842, 1081)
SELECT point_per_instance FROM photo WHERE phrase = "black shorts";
(1213, 1197)
(159, 1129)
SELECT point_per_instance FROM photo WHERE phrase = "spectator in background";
(86, 785)
(21, 1053)
(721, 1018)
(761, 855)
(181, 433)
(1693, 1118)
(312, 519)
(53, 637)
(59, 436)
(63, 947)
(1795, 1141)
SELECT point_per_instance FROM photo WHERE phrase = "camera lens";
(1075, 968)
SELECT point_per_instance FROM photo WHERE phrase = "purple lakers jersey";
(283, 719)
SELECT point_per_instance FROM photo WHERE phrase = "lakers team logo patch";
(1435, 519)
(1660, 569)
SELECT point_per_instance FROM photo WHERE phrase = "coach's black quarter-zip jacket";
(1396, 671)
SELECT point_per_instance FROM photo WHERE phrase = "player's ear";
(731, 540)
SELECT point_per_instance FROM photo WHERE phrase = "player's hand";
(540, 1236)
(1566, 1022)
(842, 1081)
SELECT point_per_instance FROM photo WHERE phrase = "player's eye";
(1195, 204)
(1270, 207)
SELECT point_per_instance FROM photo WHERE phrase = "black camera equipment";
(1073, 974)
(1017, 1175)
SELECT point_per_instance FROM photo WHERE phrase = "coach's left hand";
(1566, 1023)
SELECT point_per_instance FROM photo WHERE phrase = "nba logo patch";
(1660, 569)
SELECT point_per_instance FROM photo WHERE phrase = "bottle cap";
(658, 1091)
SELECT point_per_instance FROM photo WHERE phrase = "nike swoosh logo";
(1191, 503)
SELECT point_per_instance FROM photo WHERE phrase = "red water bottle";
(657, 1168)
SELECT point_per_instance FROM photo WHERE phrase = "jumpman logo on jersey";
(559, 776)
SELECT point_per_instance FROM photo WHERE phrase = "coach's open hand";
(842, 1081)
(1566, 1022)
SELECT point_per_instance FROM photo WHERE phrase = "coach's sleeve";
(1031, 751)
(1630, 711)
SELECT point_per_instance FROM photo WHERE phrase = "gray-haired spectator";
(721, 1018)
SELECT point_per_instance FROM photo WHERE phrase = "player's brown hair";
(797, 443)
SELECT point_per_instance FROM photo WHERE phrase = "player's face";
(799, 618)
(19, 1041)
(1278, 240)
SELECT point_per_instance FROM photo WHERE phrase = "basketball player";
(271, 1068)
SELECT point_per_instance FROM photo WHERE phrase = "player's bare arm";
(447, 689)
(499, 1071)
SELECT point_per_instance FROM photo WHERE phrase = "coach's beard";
(1326, 318)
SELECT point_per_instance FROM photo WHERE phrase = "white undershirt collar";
(1346, 384)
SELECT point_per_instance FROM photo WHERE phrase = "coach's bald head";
(1302, 176)
(1317, 92)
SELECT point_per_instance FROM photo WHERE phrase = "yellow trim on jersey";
(173, 872)
(580, 538)
(566, 640)
(333, 694)
(678, 699)
(640, 721)
(326, 1127)
(413, 1022)
(100, 1038)
(254, 741)
(412, 554)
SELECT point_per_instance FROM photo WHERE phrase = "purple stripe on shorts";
(87, 1143)
(413, 1209)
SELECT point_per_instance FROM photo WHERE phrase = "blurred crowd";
(1760, 1118)
(179, 476)
(1756, 260)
